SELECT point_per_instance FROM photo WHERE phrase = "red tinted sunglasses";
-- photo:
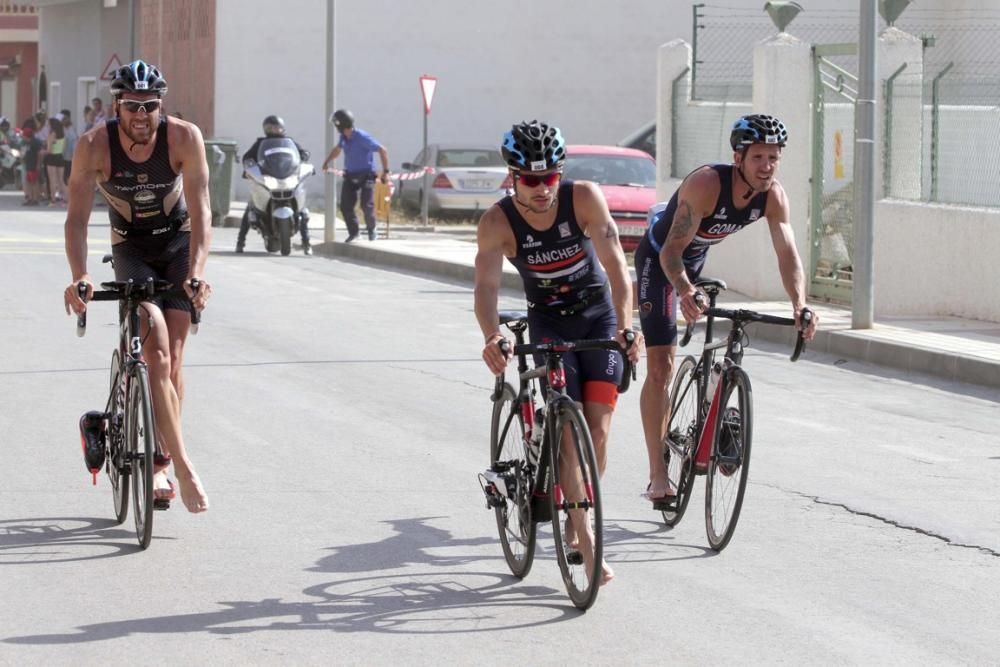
(532, 181)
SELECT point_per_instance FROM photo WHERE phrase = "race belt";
(587, 298)
(167, 228)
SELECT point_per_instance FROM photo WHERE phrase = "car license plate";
(631, 230)
(476, 184)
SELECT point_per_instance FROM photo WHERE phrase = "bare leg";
(654, 405)
(167, 406)
(598, 418)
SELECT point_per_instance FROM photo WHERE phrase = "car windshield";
(469, 157)
(611, 170)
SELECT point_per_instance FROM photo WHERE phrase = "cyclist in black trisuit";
(160, 228)
(712, 202)
(564, 243)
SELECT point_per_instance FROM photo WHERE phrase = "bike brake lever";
(81, 319)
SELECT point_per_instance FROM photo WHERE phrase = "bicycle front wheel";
(509, 460)
(681, 439)
(116, 463)
(141, 439)
(729, 466)
(576, 504)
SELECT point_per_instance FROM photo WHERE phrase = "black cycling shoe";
(93, 436)
(351, 238)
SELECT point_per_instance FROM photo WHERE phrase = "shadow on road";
(425, 602)
(48, 540)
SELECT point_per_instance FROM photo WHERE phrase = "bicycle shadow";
(45, 540)
(439, 601)
(647, 541)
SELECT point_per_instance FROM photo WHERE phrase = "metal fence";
(957, 127)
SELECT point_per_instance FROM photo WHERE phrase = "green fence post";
(935, 136)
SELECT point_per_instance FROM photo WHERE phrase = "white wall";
(588, 66)
(936, 260)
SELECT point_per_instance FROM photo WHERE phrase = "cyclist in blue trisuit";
(712, 202)
(160, 228)
(561, 238)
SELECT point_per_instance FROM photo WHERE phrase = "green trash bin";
(221, 155)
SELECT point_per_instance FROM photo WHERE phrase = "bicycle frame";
(733, 346)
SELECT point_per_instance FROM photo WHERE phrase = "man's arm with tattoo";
(695, 200)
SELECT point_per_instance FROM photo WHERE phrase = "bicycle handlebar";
(560, 347)
(121, 290)
(744, 316)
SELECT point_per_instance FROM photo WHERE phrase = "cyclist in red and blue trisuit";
(712, 202)
(564, 243)
(160, 229)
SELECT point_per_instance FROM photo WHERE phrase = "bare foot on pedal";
(193, 496)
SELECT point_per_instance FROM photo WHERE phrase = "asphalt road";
(338, 415)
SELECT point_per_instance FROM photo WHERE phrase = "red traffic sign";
(109, 70)
(427, 85)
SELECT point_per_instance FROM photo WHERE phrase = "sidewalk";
(946, 347)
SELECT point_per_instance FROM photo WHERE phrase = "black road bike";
(711, 419)
(129, 425)
(542, 462)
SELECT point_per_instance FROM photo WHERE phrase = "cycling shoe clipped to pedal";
(93, 439)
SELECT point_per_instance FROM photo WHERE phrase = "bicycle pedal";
(665, 506)
(574, 557)
(161, 504)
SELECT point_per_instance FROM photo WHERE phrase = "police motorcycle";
(277, 192)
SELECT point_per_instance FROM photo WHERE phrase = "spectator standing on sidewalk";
(359, 150)
(71, 138)
(100, 114)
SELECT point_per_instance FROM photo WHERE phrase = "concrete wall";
(936, 260)
(76, 40)
(582, 64)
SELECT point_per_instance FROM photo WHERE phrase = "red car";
(628, 178)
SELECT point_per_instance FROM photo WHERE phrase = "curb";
(840, 342)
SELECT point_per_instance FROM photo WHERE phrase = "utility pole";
(862, 299)
(330, 180)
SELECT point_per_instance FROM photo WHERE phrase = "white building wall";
(587, 65)
(936, 260)
(70, 43)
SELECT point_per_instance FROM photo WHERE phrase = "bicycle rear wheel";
(141, 430)
(509, 460)
(576, 503)
(729, 466)
(116, 464)
(681, 439)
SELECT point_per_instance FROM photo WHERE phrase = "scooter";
(277, 192)
(10, 165)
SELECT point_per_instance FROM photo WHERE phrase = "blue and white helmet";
(757, 129)
(533, 146)
(138, 77)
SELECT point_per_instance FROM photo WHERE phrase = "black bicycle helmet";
(533, 146)
(342, 119)
(138, 77)
(274, 126)
(757, 128)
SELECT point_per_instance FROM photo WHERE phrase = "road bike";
(542, 462)
(128, 425)
(711, 418)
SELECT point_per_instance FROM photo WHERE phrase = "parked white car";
(464, 179)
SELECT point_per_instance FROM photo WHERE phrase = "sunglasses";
(533, 181)
(145, 106)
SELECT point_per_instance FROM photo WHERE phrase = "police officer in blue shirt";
(359, 149)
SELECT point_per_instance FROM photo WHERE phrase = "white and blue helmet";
(533, 146)
(138, 77)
